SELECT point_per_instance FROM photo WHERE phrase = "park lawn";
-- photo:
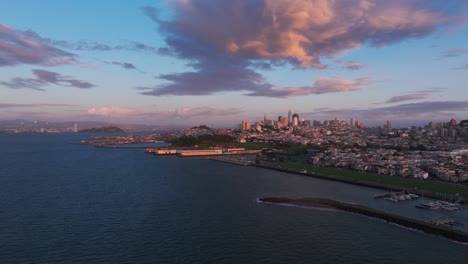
(438, 187)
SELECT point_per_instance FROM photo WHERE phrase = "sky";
(192, 62)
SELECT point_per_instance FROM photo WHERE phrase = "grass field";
(437, 187)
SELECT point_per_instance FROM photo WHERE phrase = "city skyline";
(221, 62)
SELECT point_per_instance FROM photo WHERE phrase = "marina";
(446, 222)
(441, 205)
(397, 196)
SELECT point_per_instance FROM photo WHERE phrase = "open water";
(68, 203)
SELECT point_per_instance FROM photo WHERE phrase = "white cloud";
(110, 111)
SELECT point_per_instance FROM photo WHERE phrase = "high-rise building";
(283, 121)
(453, 122)
(389, 125)
(245, 125)
(352, 121)
(289, 117)
(295, 120)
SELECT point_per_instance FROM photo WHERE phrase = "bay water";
(62, 202)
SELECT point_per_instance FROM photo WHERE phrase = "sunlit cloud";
(110, 111)
(249, 35)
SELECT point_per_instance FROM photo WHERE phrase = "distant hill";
(107, 129)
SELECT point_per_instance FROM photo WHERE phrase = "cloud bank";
(226, 40)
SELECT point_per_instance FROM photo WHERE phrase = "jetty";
(427, 227)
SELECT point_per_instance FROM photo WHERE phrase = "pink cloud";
(110, 111)
(322, 85)
(297, 30)
(21, 48)
(219, 37)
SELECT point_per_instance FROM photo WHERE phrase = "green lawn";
(438, 187)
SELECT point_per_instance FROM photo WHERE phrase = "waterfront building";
(165, 152)
(200, 152)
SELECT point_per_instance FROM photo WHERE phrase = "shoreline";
(452, 234)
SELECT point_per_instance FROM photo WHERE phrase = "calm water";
(67, 203)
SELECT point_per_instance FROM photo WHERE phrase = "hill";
(108, 129)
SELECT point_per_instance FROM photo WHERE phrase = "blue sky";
(218, 62)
